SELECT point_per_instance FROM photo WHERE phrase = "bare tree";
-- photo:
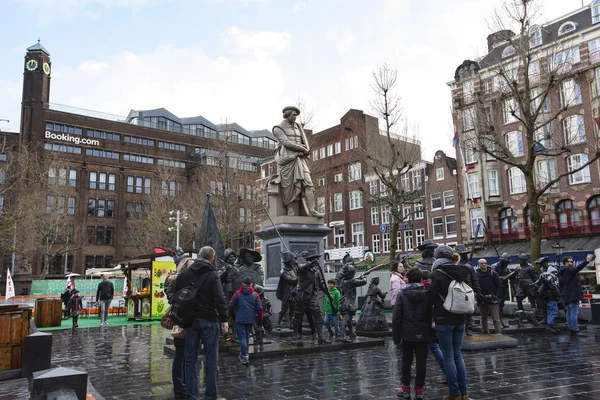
(306, 115)
(392, 153)
(523, 76)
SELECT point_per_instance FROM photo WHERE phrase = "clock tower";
(36, 90)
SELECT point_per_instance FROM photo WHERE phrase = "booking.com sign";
(71, 139)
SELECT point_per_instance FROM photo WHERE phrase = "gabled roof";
(38, 47)
(199, 119)
(234, 126)
(262, 133)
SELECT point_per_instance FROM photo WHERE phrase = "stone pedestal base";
(298, 234)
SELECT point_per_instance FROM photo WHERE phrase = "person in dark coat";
(246, 304)
(411, 325)
(491, 292)
(210, 310)
(65, 297)
(472, 281)
(75, 307)
(177, 369)
(450, 327)
(571, 290)
(287, 282)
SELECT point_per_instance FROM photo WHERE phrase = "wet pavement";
(129, 363)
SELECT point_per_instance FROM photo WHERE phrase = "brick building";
(493, 192)
(116, 166)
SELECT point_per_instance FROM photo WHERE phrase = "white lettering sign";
(72, 139)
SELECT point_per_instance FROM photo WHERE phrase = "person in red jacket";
(247, 305)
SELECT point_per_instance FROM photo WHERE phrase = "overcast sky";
(243, 60)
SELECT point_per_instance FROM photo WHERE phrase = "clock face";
(46, 68)
(31, 65)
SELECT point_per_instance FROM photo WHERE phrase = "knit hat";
(443, 251)
(552, 270)
(75, 291)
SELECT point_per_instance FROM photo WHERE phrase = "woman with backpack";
(450, 326)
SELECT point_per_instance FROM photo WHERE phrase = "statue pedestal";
(298, 233)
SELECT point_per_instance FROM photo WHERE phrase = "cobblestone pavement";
(128, 363)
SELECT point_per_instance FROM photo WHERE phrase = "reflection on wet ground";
(129, 363)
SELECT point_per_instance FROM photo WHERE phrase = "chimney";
(499, 37)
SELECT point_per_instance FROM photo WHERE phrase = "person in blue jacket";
(247, 306)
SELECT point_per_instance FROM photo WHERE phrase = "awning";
(336, 223)
(576, 247)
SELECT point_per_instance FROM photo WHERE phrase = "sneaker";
(404, 392)
(419, 395)
(241, 358)
(246, 360)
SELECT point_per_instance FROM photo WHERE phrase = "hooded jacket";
(211, 304)
(549, 287)
(246, 304)
(335, 295)
(411, 320)
(438, 290)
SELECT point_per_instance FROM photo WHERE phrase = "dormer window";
(566, 28)
(595, 11)
(508, 51)
(535, 36)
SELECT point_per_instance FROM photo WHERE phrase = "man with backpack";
(452, 299)
(199, 305)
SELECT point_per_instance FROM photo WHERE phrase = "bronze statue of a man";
(248, 266)
(291, 156)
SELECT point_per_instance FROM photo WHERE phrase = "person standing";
(331, 310)
(65, 297)
(104, 296)
(245, 304)
(491, 292)
(411, 324)
(472, 281)
(75, 307)
(210, 309)
(549, 294)
(571, 290)
(397, 281)
(450, 327)
(177, 369)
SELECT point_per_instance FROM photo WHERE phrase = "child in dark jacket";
(75, 307)
(246, 304)
(411, 325)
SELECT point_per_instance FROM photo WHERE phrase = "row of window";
(62, 177)
(545, 172)
(335, 202)
(382, 243)
(60, 205)
(244, 191)
(103, 135)
(170, 163)
(68, 129)
(335, 148)
(171, 146)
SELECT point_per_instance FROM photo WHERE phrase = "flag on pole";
(209, 232)
(456, 139)
(10, 287)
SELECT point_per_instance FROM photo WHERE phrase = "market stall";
(144, 288)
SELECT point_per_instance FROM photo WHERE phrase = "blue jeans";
(177, 371)
(434, 349)
(209, 332)
(451, 338)
(552, 311)
(572, 311)
(332, 319)
(243, 331)
(104, 306)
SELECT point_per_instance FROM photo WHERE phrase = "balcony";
(578, 228)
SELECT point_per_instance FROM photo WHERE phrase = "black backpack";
(184, 303)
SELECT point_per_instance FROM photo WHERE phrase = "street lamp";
(558, 251)
(177, 216)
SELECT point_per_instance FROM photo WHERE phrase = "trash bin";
(14, 326)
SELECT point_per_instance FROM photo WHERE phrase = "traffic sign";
(383, 228)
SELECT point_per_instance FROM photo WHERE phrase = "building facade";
(119, 173)
(493, 190)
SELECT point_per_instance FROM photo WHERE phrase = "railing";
(578, 228)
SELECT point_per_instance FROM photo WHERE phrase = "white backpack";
(460, 298)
